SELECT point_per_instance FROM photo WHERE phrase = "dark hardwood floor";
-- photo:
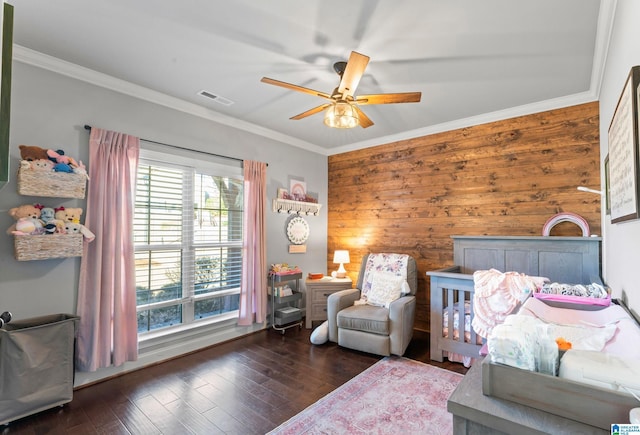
(245, 386)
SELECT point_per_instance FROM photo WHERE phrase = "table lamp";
(341, 257)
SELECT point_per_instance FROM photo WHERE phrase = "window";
(188, 241)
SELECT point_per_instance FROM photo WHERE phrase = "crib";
(563, 259)
(452, 294)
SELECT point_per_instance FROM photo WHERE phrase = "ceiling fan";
(342, 110)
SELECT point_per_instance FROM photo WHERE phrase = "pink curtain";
(253, 290)
(108, 332)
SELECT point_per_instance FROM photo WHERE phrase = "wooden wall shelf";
(291, 207)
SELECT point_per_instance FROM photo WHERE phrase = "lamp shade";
(341, 114)
(341, 257)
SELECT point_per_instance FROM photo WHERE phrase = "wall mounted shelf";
(298, 207)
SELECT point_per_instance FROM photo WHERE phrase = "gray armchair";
(373, 329)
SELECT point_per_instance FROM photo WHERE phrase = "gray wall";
(49, 110)
(621, 241)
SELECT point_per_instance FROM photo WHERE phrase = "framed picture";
(6, 20)
(623, 152)
(607, 193)
(298, 190)
(283, 194)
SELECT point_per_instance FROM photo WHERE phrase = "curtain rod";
(88, 127)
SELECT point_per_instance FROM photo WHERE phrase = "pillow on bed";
(385, 288)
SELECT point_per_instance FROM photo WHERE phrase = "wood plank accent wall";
(501, 178)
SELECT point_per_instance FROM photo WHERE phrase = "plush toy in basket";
(45, 232)
(33, 153)
(74, 228)
(50, 173)
(42, 159)
(27, 218)
(49, 221)
(36, 219)
(68, 214)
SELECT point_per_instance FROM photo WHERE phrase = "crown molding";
(59, 66)
(606, 18)
(499, 115)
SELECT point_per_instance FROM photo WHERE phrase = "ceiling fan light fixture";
(341, 114)
(343, 108)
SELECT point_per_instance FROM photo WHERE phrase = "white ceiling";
(473, 60)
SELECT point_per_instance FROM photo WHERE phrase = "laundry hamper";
(36, 365)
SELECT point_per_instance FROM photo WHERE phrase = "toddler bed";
(562, 259)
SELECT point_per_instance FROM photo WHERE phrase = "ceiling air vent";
(217, 98)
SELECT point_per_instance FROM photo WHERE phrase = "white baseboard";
(159, 350)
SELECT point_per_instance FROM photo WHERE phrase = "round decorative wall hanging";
(297, 230)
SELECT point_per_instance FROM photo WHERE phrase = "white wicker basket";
(51, 183)
(45, 246)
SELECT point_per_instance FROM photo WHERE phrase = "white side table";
(318, 290)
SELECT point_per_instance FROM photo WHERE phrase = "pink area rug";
(394, 396)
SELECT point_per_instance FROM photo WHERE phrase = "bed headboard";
(574, 260)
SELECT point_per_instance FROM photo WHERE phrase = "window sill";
(158, 347)
(166, 336)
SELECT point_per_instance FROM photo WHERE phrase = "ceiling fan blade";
(295, 87)
(352, 74)
(406, 97)
(363, 119)
(311, 111)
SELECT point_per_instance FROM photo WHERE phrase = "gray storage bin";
(287, 315)
(36, 365)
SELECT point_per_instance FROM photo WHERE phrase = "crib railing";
(450, 290)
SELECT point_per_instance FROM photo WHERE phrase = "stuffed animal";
(49, 221)
(68, 214)
(28, 226)
(47, 214)
(59, 157)
(81, 169)
(26, 210)
(23, 212)
(40, 165)
(50, 229)
(30, 153)
(62, 167)
(74, 228)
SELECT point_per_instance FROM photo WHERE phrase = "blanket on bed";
(498, 294)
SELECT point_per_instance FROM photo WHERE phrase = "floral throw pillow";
(385, 288)
(390, 263)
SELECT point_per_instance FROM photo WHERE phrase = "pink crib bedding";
(625, 341)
